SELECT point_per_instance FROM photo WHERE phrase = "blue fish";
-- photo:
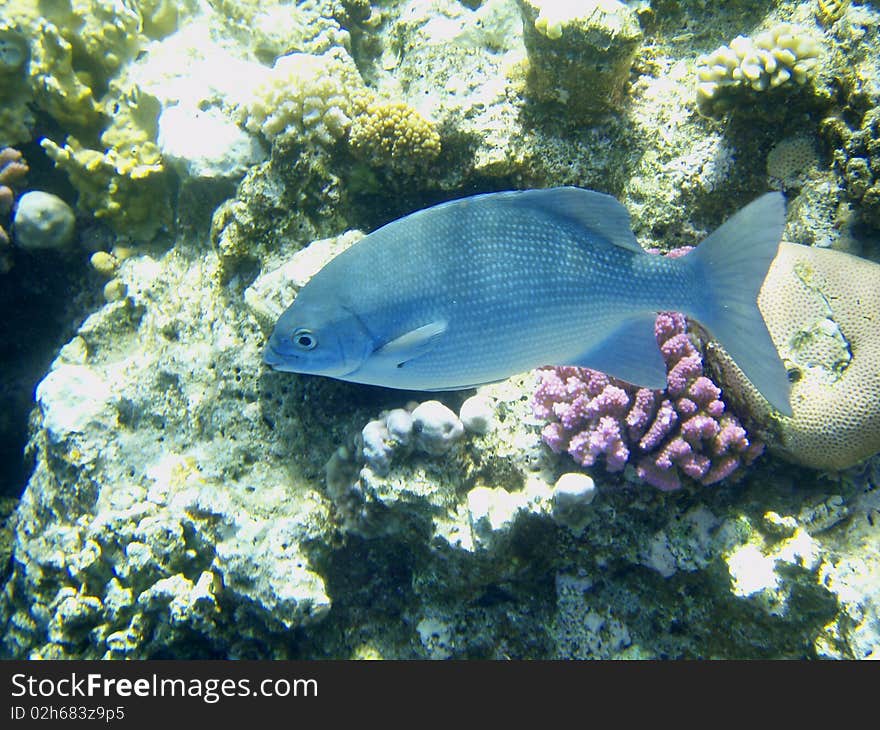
(475, 290)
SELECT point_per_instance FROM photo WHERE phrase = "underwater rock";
(492, 510)
(72, 398)
(179, 504)
(460, 67)
(205, 144)
(857, 160)
(273, 291)
(189, 498)
(43, 220)
(112, 412)
(389, 482)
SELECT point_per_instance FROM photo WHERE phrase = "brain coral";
(394, 135)
(789, 161)
(784, 53)
(307, 97)
(822, 308)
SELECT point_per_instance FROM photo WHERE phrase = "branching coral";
(13, 170)
(771, 59)
(682, 431)
(125, 184)
(306, 97)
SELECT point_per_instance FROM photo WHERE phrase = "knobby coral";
(771, 59)
(306, 97)
(683, 430)
(394, 135)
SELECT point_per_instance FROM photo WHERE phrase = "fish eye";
(304, 338)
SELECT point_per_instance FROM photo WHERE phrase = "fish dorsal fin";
(597, 212)
(411, 344)
(629, 352)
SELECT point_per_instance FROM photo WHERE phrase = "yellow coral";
(770, 59)
(160, 17)
(828, 11)
(73, 49)
(104, 33)
(394, 135)
(126, 184)
(58, 89)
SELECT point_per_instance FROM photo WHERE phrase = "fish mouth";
(275, 359)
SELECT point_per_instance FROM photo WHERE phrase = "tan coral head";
(822, 308)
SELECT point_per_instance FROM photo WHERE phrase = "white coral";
(306, 97)
(768, 60)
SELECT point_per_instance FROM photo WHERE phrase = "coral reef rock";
(580, 54)
(43, 220)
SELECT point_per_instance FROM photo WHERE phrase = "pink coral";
(13, 170)
(684, 430)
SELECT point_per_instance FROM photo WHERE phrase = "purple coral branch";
(683, 430)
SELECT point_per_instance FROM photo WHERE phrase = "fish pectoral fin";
(412, 344)
(629, 352)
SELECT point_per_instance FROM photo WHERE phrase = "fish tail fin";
(731, 265)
